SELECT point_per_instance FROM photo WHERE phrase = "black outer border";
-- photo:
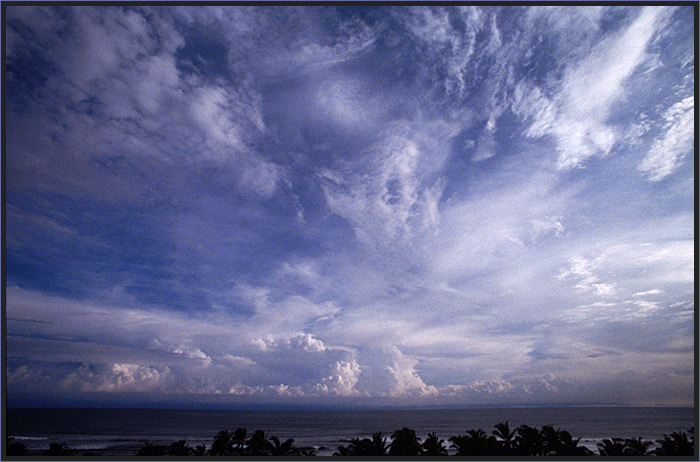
(349, 3)
(3, 252)
(3, 198)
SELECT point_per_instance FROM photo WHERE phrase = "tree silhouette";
(433, 446)
(528, 442)
(475, 443)
(222, 445)
(258, 444)
(149, 449)
(282, 449)
(379, 445)
(56, 449)
(677, 444)
(238, 441)
(364, 447)
(636, 447)
(404, 443)
(200, 450)
(16, 448)
(560, 443)
(612, 447)
(505, 435)
(179, 448)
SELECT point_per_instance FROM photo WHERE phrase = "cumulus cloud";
(119, 378)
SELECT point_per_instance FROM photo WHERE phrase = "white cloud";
(668, 151)
(119, 378)
(390, 201)
(496, 224)
(354, 37)
(647, 292)
(119, 88)
(577, 116)
(388, 372)
(582, 271)
(451, 47)
(486, 144)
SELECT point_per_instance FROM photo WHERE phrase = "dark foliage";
(56, 449)
(560, 443)
(612, 447)
(476, 443)
(505, 438)
(528, 442)
(377, 446)
(179, 448)
(676, 444)
(433, 446)
(404, 442)
(222, 445)
(149, 449)
(16, 448)
(636, 447)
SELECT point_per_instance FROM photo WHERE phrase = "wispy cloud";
(351, 205)
(667, 152)
(577, 115)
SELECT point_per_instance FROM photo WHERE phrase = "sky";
(350, 206)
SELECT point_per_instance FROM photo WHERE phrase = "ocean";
(119, 432)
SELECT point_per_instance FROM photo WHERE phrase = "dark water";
(119, 431)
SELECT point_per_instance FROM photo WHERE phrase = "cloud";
(581, 270)
(577, 116)
(117, 77)
(647, 292)
(351, 206)
(119, 378)
(452, 48)
(390, 202)
(668, 151)
(495, 223)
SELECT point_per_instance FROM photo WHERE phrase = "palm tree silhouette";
(222, 445)
(56, 449)
(258, 444)
(238, 441)
(433, 446)
(404, 443)
(560, 443)
(475, 443)
(200, 450)
(612, 447)
(379, 445)
(282, 449)
(364, 447)
(636, 447)
(16, 448)
(147, 450)
(677, 444)
(503, 432)
(528, 442)
(179, 448)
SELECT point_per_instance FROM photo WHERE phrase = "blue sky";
(390, 206)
